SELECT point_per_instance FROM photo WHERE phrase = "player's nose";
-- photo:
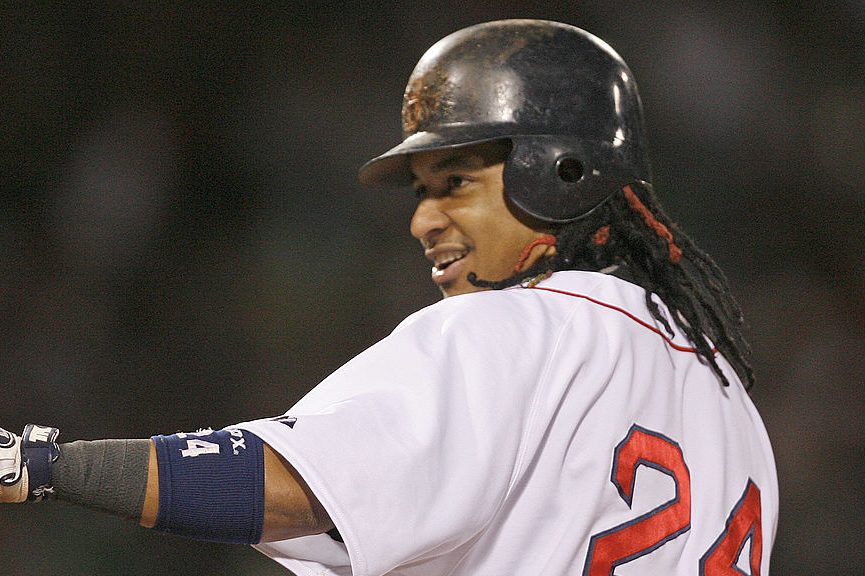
(428, 220)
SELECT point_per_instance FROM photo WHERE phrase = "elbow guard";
(211, 485)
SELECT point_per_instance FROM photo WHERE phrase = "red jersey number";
(638, 537)
(742, 525)
(648, 532)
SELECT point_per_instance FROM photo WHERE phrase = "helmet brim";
(393, 168)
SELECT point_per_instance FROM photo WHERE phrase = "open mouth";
(442, 261)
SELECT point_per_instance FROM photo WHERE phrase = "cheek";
(498, 236)
(506, 244)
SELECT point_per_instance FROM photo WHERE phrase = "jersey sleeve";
(414, 444)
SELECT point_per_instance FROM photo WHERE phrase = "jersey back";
(558, 430)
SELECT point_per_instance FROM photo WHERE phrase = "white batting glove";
(13, 473)
(25, 463)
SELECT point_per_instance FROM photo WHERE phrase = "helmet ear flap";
(551, 178)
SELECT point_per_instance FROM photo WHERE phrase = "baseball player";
(576, 404)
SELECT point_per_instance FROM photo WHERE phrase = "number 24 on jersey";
(636, 538)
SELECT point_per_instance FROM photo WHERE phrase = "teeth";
(445, 260)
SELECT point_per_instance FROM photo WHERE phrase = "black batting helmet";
(565, 99)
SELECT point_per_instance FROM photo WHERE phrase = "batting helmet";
(566, 100)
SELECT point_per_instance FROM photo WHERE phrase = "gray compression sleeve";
(107, 475)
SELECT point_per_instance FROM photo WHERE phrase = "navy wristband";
(40, 450)
(211, 485)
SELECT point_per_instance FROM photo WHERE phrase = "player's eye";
(455, 181)
(440, 189)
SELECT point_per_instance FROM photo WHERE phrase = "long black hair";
(630, 229)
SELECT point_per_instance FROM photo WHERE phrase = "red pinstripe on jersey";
(621, 311)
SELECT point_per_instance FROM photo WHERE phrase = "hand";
(13, 472)
(25, 463)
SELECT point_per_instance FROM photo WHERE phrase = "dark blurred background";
(183, 244)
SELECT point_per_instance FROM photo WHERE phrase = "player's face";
(463, 220)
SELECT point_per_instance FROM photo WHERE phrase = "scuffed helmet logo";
(425, 99)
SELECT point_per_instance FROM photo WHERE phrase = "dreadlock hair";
(630, 228)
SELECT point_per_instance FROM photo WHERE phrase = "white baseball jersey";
(558, 430)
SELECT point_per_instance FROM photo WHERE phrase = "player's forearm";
(223, 485)
(105, 475)
(150, 508)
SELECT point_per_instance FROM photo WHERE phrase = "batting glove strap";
(39, 449)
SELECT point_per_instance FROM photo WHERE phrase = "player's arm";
(224, 485)
(290, 508)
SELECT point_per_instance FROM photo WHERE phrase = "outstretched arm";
(289, 509)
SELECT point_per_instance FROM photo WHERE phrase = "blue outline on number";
(748, 536)
(629, 500)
